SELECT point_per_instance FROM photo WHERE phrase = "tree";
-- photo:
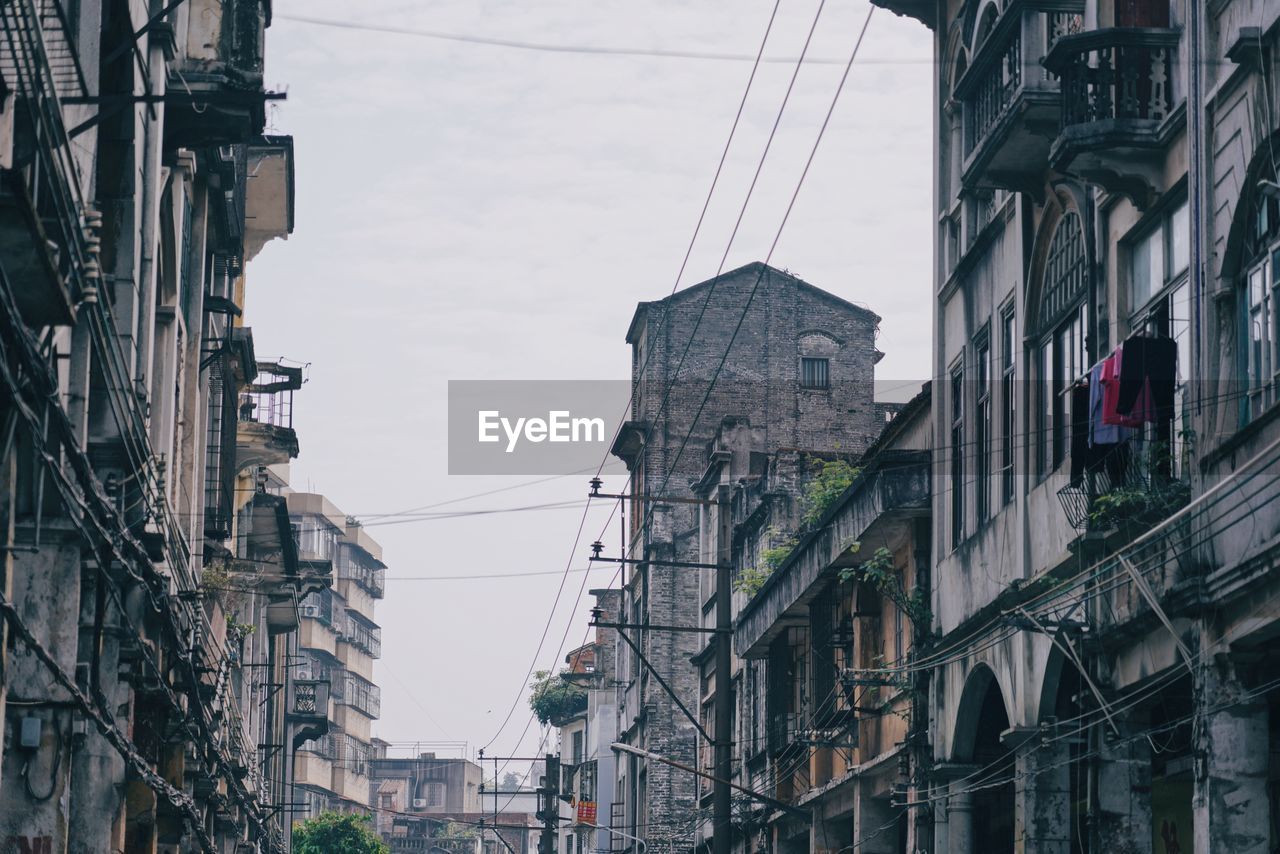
(555, 699)
(337, 833)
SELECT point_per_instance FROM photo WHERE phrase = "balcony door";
(1142, 13)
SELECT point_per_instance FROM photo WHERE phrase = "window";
(577, 748)
(982, 429)
(1008, 402)
(1260, 310)
(1159, 258)
(957, 455)
(1062, 357)
(815, 373)
(1162, 308)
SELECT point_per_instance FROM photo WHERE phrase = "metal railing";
(371, 578)
(1120, 73)
(1135, 482)
(362, 636)
(44, 167)
(319, 606)
(269, 398)
(310, 698)
(351, 754)
(995, 89)
(361, 695)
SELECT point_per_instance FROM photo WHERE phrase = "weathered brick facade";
(678, 345)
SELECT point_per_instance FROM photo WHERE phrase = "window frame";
(822, 375)
(1062, 350)
(1008, 400)
(1259, 335)
(982, 427)
(956, 422)
(1157, 315)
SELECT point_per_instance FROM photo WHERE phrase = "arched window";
(986, 25)
(1259, 340)
(1063, 322)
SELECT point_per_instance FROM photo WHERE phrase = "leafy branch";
(879, 571)
(832, 479)
(555, 698)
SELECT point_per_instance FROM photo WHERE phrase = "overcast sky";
(476, 212)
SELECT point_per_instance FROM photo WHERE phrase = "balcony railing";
(362, 636)
(1118, 91)
(1008, 98)
(1122, 73)
(269, 398)
(371, 578)
(1134, 485)
(351, 754)
(318, 606)
(43, 238)
(360, 695)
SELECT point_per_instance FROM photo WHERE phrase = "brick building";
(771, 351)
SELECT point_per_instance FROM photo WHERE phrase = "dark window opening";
(815, 373)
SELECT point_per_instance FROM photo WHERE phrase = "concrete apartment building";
(587, 763)
(425, 784)
(435, 803)
(800, 374)
(1103, 603)
(338, 642)
(148, 580)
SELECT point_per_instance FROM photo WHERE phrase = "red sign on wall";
(586, 812)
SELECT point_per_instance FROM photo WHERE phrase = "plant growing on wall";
(879, 571)
(832, 479)
(752, 579)
(555, 698)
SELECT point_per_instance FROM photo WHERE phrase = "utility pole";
(721, 805)
(549, 807)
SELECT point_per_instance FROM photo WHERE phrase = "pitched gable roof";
(759, 268)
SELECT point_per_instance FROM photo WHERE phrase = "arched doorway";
(993, 804)
(982, 720)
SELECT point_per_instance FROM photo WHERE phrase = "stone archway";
(982, 802)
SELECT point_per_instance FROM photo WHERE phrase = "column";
(1042, 793)
(1230, 807)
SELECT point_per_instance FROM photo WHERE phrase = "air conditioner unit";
(419, 803)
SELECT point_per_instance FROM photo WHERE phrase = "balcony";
(1009, 102)
(265, 434)
(1116, 100)
(308, 711)
(361, 695)
(891, 492)
(1134, 487)
(45, 250)
(371, 578)
(363, 637)
(216, 93)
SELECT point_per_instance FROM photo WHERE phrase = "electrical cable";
(547, 47)
(697, 229)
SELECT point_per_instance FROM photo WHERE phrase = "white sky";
(476, 212)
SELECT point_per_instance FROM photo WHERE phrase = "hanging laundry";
(1085, 456)
(1101, 431)
(1148, 378)
(1109, 378)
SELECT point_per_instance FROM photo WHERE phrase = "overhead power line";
(577, 538)
(548, 47)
